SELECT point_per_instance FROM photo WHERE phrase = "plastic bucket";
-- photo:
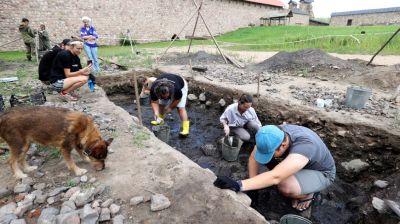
(294, 219)
(356, 97)
(230, 152)
(161, 132)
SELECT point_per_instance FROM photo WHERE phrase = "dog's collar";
(88, 151)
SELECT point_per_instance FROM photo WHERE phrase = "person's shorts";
(58, 85)
(313, 181)
(182, 102)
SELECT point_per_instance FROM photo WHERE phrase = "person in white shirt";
(241, 119)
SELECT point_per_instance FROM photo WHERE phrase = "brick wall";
(367, 19)
(150, 19)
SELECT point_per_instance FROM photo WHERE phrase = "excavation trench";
(348, 200)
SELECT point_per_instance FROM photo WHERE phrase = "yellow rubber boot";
(185, 128)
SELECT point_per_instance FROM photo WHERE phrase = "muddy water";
(205, 129)
(346, 201)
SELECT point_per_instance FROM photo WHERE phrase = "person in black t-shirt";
(169, 91)
(47, 60)
(67, 73)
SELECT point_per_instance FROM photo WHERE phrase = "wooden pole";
(383, 46)
(212, 36)
(137, 99)
(258, 87)
(194, 29)
(37, 48)
(191, 17)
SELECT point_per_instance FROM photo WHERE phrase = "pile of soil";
(197, 58)
(310, 61)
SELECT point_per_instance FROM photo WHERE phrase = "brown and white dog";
(50, 126)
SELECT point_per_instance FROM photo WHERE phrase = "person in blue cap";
(299, 164)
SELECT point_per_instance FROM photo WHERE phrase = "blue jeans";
(91, 53)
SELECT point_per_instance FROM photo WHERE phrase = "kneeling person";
(241, 119)
(67, 73)
(306, 166)
(169, 91)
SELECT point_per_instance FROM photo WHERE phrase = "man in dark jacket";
(28, 36)
(47, 60)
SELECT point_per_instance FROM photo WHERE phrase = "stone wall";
(367, 19)
(299, 19)
(147, 20)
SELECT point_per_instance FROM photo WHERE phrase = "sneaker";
(67, 97)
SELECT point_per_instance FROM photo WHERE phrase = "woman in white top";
(241, 119)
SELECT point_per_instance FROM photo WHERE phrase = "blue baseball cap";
(268, 139)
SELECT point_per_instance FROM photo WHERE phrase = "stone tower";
(292, 5)
(306, 5)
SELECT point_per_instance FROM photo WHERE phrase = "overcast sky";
(324, 8)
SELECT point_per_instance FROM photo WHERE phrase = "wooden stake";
(191, 17)
(137, 99)
(258, 88)
(383, 46)
(212, 36)
(194, 29)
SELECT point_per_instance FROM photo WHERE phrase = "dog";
(51, 126)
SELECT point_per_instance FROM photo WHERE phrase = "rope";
(11, 42)
(305, 40)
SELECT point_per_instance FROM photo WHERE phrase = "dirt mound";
(384, 78)
(200, 57)
(305, 59)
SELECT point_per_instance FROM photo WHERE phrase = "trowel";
(230, 140)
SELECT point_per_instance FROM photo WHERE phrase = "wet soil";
(343, 202)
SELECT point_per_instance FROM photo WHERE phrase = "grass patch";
(51, 152)
(139, 137)
(12, 56)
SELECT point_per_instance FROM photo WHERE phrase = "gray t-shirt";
(305, 142)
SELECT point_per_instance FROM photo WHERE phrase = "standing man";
(28, 36)
(47, 60)
(241, 119)
(89, 35)
(44, 40)
(306, 166)
(170, 91)
(67, 73)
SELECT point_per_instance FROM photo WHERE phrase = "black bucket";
(161, 132)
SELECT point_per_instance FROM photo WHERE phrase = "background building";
(148, 20)
(385, 16)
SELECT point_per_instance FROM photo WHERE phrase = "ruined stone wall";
(299, 19)
(367, 19)
(147, 20)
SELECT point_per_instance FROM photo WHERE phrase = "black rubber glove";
(224, 182)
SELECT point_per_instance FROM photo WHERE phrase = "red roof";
(276, 3)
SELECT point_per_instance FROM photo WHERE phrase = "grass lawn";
(345, 40)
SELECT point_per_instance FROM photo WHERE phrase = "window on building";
(349, 22)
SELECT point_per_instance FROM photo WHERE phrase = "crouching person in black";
(47, 60)
(67, 73)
